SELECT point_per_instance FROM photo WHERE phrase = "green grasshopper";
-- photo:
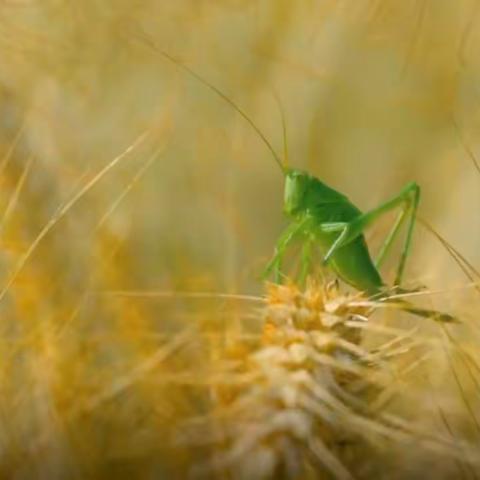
(325, 217)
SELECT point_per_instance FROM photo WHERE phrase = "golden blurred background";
(375, 93)
(371, 93)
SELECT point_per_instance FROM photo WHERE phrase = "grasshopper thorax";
(304, 192)
(297, 184)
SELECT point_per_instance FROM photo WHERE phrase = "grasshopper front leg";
(291, 233)
(306, 261)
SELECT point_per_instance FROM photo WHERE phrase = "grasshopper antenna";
(284, 128)
(141, 36)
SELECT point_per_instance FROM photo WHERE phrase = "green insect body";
(325, 218)
(312, 204)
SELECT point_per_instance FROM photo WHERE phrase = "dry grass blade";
(64, 210)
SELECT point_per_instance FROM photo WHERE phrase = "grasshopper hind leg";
(408, 200)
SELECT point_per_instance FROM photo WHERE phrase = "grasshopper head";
(296, 186)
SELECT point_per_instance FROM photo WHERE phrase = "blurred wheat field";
(138, 209)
